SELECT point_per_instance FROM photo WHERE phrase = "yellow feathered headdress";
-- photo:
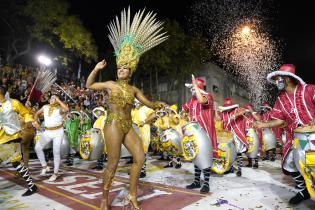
(130, 41)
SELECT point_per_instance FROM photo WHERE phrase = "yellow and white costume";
(140, 115)
(10, 129)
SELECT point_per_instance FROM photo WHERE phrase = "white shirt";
(54, 120)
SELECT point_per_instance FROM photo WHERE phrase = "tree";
(47, 22)
(177, 58)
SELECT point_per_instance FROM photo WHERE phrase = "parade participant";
(200, 109)
(164, 121)
(277, 132)
(53, 121)
(139, 114)
(100, 113)
(27, 135)
(10, 136)
(129, 44)
(251, 116)
(233, 120)
(295, 106)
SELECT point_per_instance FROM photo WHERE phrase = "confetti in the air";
(240, 40)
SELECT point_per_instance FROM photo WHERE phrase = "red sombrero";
(200, 84)
(284, 70)
(228, 105)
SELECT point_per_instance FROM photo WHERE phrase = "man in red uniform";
(233, 120)
(295, 106)
(200, 109)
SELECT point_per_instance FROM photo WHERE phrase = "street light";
(44, 60)
(246, 30)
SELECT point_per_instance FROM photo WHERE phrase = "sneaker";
(205, 188)
(299, 197)
(194, 185)
(30, 191)
(239, 173)
(44, 171)
(53, 178)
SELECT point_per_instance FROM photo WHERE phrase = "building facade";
(218, 83)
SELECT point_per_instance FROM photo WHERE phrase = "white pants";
(50, 135)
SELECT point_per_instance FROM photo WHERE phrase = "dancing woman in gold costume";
(130, 41)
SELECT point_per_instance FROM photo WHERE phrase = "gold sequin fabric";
(52, 107)
(124, 97)
(125, 124)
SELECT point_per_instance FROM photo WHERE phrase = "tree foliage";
(47, 22)
(179, 55)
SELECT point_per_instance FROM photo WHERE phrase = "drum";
(269, 139)
(253, 143)
(92, 145)
(196, 145)
(226, 152)
(64, 147)
(304, 158)
(171, 142)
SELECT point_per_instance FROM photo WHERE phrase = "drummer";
(233, 120)
(200, 110)
(139, 114)
(164, 120)
(53, 132)
(295, 106)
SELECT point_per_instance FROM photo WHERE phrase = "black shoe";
(194, 185)
(70, 163)
(143, 174)
(169, 165)
(98, 167)
(229, 171)
(266, 158)
(299, 197)
(205, 188)
(255, 165)
(249, 165)
(30, 191)
(130, 161)
(178, 165)
(239, 173)
(273, 158)
(161, 158)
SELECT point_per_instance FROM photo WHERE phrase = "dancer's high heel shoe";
(130, 200)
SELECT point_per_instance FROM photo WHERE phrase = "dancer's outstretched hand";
(100, 65)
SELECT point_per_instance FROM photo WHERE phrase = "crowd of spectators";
(19, 81)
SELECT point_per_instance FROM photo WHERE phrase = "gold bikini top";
(123, 97)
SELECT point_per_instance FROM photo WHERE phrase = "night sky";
(292, 22)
